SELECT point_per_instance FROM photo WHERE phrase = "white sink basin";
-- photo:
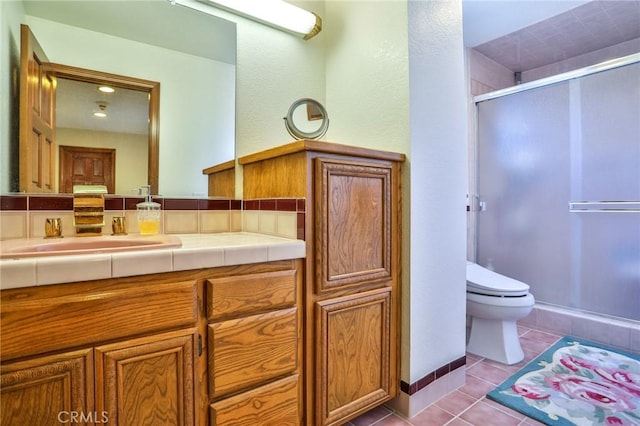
(36, 247)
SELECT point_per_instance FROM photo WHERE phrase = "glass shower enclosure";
(558, 189)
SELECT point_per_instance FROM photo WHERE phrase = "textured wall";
(438, 101)
(274, 69)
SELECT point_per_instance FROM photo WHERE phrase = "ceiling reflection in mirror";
(118, 119)
(191, 54)
(126, 110)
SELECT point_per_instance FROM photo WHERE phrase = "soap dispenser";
(148, 213)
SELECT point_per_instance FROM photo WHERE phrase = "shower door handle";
(604, 206)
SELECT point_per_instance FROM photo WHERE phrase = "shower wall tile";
(635, 338)
(613, 332)
(554, 321)
(581, 61)
(487, 75)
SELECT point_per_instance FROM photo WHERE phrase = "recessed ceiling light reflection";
(106, 89)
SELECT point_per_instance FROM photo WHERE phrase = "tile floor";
(468, 405)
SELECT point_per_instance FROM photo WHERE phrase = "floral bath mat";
(576, 382)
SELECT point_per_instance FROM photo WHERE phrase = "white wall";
(274, 69)
(367, 73)
(437, 260)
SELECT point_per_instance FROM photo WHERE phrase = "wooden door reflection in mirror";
(87, 166)
(37, 147)
(37, 106)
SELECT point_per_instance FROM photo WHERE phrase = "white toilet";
(494, 303)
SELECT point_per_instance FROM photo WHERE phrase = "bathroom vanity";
(230, 328)
(213, 345)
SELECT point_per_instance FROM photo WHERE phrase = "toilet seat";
(486, 282)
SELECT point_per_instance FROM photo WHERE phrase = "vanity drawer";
(249, 294)
(248, 351)
(275, 404)
(36, 320)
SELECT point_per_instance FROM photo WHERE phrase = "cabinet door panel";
(44, 391)
(354, 354)
(147, 381)
(274, 404)
(353, 228)
(247, 351)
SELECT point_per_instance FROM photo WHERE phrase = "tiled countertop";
(197, 251)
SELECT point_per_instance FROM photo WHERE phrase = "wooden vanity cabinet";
(215, 346)
(255, 347)
(142, 381)
(352, 268)
(119, 351)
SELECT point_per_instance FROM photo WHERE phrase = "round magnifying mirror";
(306, 119)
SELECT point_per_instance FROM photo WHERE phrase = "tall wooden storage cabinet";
(352, 269)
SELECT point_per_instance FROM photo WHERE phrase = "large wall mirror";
(191, 55)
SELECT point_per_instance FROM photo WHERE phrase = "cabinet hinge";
(199, 344)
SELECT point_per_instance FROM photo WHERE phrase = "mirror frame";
(151, 87)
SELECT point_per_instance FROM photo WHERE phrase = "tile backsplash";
(23, 216)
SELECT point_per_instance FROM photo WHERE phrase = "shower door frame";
(475, 206)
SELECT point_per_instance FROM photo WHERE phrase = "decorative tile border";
(115, 202)
(13, 203)
(422, 383)
(276, 216)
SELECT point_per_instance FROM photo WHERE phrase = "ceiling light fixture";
(101, 112)
(275, 13)
(106, 89)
